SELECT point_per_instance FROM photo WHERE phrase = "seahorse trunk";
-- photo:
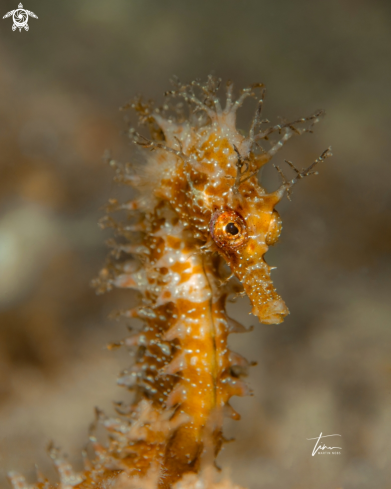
(196, 361)
(183, 364)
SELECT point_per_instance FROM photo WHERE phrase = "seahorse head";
(210, 178)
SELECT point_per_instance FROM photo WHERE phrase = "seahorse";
(195, 235)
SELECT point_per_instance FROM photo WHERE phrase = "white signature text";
(320, 446)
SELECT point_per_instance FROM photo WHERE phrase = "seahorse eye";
(228, 229)
(231, 228)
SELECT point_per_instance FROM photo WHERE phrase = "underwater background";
(327, 368)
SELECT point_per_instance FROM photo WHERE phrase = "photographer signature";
(319, 446)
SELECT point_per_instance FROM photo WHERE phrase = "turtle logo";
(20, 17)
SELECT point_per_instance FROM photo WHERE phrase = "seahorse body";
(200, 208)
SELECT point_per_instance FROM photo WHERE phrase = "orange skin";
(206, 387)
(255, 208)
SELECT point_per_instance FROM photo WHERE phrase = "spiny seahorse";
(200, 211)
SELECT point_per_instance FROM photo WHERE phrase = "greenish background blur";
(327, 368)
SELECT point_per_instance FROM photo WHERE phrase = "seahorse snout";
(267, 304)
(272, 312)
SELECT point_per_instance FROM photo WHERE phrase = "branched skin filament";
(200, 209)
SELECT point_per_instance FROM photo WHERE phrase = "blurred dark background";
(327, 368)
